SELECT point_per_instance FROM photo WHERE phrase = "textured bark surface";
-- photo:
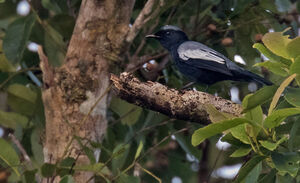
(186, 105)
(72, 89)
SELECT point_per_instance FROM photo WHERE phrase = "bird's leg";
(188, 85)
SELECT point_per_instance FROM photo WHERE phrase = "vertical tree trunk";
(72, 89)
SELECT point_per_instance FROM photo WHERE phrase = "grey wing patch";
(195, 50)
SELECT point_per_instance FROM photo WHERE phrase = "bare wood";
(97, 41)
(148, 12)
(185, 105)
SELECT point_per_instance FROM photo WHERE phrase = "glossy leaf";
(274, 58)
(278, 116)
(293, 47)
(275, 67)
(242, 151)
(9, 156)
(279, 91)
(256, 116)
(286, 162)
(270, 145)
(295, 67)
(292, 96)
(247, 168)
(239, 132)
(277, 42)
(258, 98)
(16, 38)
(213, 129)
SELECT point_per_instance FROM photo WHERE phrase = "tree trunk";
(72, 89)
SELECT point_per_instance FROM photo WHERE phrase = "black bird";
(199, 62)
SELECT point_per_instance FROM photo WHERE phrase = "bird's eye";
(168, 33)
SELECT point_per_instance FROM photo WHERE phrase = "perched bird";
(199, 62)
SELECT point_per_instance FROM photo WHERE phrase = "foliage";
(262, 134)
(142, 145)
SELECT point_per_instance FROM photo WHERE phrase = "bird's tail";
(256, 78)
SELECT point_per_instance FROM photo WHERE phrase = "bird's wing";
(201, 56)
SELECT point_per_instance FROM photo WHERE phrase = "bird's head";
(169, 36)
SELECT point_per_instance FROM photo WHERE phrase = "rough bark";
(186, 105)
(72, 89)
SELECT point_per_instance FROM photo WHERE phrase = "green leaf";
(139, 150)
(9, 156)
(242, 151)
(293, 47)
(51, 5)
(215, 115)
(213, 129)
(277, 42)
(22, 99)
(279, 115)
(269, 177)
(239, 132)
(128, 113)
(36, 146)
(12, 120)
(279, 91)
(292, 96)
(126, 179)
(295, 67)
(274, 58)
(275, 67)
(5, 65)
(270, 145)
(255, 115)
(247, 168)
(30, 176)
(185, 144)
(55, 47)
(286, 162)
(65, 166)
(293, 135)
(23, 92)
(98, 168)
(120, 154)
(48, 170)
(67, 179)
(258, 98)
(254, 174)
(16, 38)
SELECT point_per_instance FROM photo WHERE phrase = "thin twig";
(21, 148)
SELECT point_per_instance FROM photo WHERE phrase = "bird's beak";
(152, 36)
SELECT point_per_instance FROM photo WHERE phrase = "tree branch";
(184, 105)
(145, 15)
